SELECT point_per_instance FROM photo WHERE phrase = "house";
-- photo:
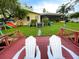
(52, 16)
(74, 19)
(30, 16)
(33, 16)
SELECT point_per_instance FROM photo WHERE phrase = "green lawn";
(47, 30)
(74, 26)
(50, 30)
(27, 31)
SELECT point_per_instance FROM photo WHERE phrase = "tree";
(44, 10)
(64, 8)
(7, 7)
(20, 14)
(45, 20)
(74, 15)
(76, 1)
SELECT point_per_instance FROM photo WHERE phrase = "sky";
(50, 5)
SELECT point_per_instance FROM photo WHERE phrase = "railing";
(7, 39)
(67, 33)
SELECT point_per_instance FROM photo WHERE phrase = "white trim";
(75, 56)
(18, 53)
(38, 56)
(50, 56)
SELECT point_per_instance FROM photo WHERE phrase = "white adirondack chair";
(55, 47)
(31, 48)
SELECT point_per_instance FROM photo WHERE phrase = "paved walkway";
(39, 32)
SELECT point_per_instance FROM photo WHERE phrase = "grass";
(50, 30)
(27, 31)
(74, 26)
(47, 30)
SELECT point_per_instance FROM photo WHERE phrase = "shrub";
(1, 20)
(33, 22)
(45, 21)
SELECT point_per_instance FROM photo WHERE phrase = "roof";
(34, 12)
(51, 14)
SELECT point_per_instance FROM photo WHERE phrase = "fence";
(70, 34)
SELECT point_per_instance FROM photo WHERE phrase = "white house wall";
(34, 16)
(75, 19)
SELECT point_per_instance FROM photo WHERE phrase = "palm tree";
(44, 10)
(64, 9)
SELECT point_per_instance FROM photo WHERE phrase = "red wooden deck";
(42, 42)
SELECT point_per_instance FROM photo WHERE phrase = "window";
(28, 18)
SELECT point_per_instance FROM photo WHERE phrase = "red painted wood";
(6, 41)
(22, 55)
(9, 52)
(67, 43)
(66, 54)
(42, 42)
(76, 37)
